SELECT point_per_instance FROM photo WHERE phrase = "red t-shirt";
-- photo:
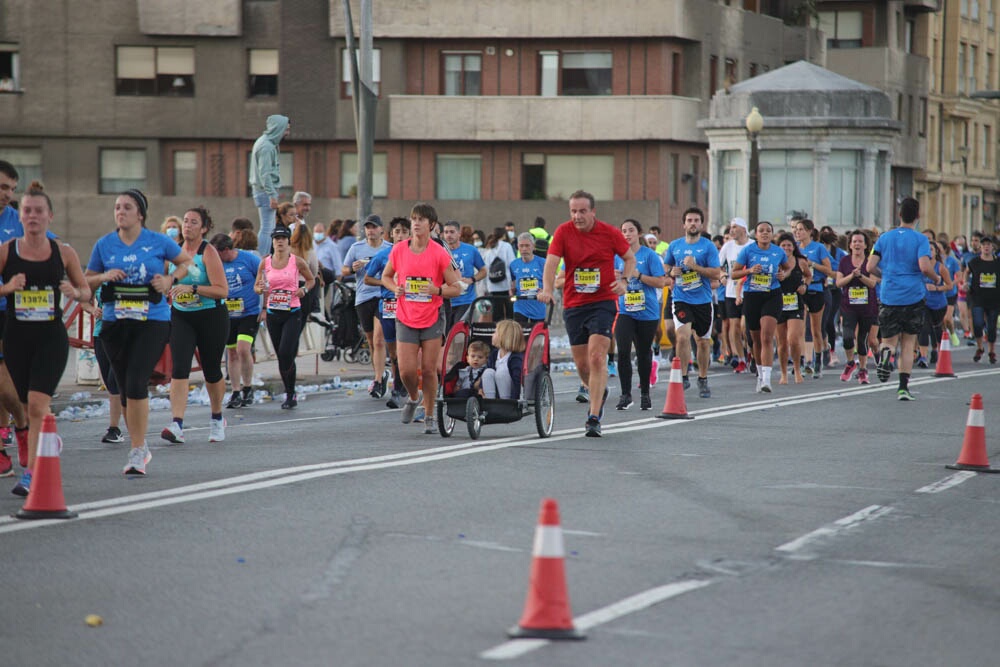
(415, 310)
(590, 261)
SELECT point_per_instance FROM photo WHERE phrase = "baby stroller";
(344, 337)
(537, 391)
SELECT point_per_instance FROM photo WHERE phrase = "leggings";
(641, 332)
(104, 363)
(36, 356)
(985, 317)
(830, 313)
(864, 324)
(931, 331)
(284, 328)
(206, 330)
(134, 348)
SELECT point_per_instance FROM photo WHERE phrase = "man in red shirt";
(590, 294)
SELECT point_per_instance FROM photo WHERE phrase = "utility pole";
(365, 100)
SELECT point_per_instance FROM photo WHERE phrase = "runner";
(694, 263)
(421, 274)
(935, 305)
(10, 406)
(765, 264)
(821, 264)
(471, 267)
(732, 315)
(366, 299)
(831, 295)
(129, 265)
(400, 230)
(37, 271)
(526, 273)
(590, 293)
(984, 297)
(858, 304)
(243, 306)
(278, 280)
(638, 316)
(791, 322)
(951, 297)
(901, 255)
(198, 321)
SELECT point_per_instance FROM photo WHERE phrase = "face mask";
(319, 236)
(510, 234)
(959, 247)
(173, 233)
(478, 243)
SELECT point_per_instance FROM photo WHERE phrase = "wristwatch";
(194, 289)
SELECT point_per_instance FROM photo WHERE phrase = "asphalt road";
(813, 526)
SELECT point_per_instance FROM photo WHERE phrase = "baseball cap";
(281, 232)
(739, 222)
(373, 220)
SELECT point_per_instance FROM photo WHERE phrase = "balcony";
(922, 5)
(191, 18)
(610, 118)
(881, 67)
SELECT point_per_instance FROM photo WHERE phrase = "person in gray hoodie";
(265, 176)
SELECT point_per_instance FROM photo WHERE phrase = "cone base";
(944, 375)
(518, 632)
(45, 514)
(669, 415)
(966, 466)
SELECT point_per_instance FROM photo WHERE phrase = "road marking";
(869, 513)
(515, 648)
(947, 482)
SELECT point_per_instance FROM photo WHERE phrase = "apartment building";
(491, 111)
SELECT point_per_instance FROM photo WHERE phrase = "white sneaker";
(173, 433)
(138, 457)
(760, 382)
(216, 430)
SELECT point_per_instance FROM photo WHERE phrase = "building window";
(911, 27)
(122, 169)
(10, 70)
(733, 190)
(843, 29)
(973, 53)
(753, 70)
(458, 176)
(675, 73)
(693, 180)
(673, 177)
(990, 70)
(27, 162)
(713, 74)
(185, 173)
(346, 79)
(923, 117)
(263, 74)
(532, 176)
(786, 183)
(463, 73)
(974, 10)
(984, 146)
(575, 73)
(161, 70)
(963, 8)
(565, 174)
(961, 67)
(842, 188)
(349, 175)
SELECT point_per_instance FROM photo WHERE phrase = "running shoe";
(6, 465)
(654, 373)
(921, 361)
(409, 409)
(247, 396)
(833, 361)
(430, 426)
(883, 369)
(114, 435)
(862, 376)
(733, 362)
(905, 395)
(235, 401)
(703, 390)
(383, 385)
(604, 400)
(393, 401)
(687, 383)
(418, 417)
(625, 402)
(955, 342)
(291, 400)
(138, 457)
(612, 369)
(6, 436)
(807, 369)
(818, 371)
(21, 434)
(753, 366)
(216, 430)
(373, 388)
(644, 402)
(593, 427)
(23, 485)
(583, 395)
(741, 367)
(765, 387)
(993, 357)
(760, 382)
(978, 355)
(848, 371)
(173, 434)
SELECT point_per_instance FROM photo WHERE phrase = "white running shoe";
(216, 430)
(138, 457)
(173, 433)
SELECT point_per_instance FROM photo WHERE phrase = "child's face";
(477, 359)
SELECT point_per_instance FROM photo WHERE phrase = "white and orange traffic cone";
(546, 609)
(943, 368)
(973, 456)
(675, 407)
(45, 499)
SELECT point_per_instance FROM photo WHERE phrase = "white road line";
(518, 647)
(947, 482)
(869, 513)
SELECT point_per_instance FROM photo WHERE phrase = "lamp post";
(754, 124)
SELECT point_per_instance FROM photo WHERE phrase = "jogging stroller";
(344, 336)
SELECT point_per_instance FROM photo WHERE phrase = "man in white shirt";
(732, 314)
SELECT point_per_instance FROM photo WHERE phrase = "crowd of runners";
(741, 300)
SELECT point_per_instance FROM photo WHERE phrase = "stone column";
(714, 191)
(868, 185)
(888, 205)
(821, 169)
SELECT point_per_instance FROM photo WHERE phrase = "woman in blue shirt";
(936, 304)
(243, 306)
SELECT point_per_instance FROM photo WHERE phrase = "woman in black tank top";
(791, 322)
(37, 272)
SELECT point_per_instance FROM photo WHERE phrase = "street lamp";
(754, 124)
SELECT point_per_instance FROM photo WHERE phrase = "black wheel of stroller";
(364, 356)
(349, 356)
(473, 417)
(545, 405)
(446, 425)
(327, 355)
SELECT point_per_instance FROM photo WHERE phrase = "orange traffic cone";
(674, 407)
(943, 369)
(546, 609)
(45, 500)
(973, 456)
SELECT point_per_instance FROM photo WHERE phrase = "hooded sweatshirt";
(265, 173)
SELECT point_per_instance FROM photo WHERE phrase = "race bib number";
(131, 309)
(690, 280)
(528, 288)
(587, 281)
(635, 301)
(761, 281)
(279, 300)
(988, 280)
(235, 307)
(790, 302)
(857, 296)
(388, 309)
(188, 300)
(413, 286)
(35, 305)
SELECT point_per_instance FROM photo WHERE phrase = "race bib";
(528, 288)
(412, 291)
(690, 280)
(790, 302)
(187, 299)
(635, 301)
(760, 280)
(857, 296)
(988, 280)
(279, 300)
(131, 309)
(587, 281)
(388, 309)
(235, 307)
(36, 305)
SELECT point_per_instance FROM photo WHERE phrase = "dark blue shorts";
(583, 322)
